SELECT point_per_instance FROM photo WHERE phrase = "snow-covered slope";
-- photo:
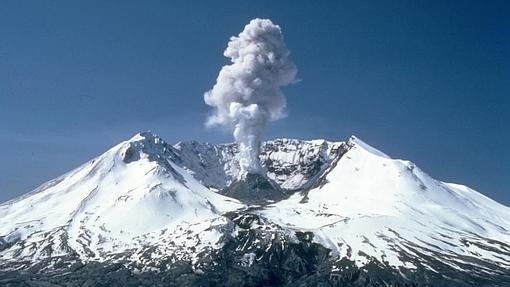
(370, 206)
(125, 198)
(152, 206)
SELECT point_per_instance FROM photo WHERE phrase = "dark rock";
(254, 188)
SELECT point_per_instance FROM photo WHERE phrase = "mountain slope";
(110, 204)
(371, 207)
(147, 213)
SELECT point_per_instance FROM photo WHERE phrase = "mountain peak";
(146, 145)
(144, 136)
(355, 141)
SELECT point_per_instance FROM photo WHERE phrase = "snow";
(144, 192)
(356, 141)
(107, 202)
(369, 196)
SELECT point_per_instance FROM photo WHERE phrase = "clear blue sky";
(427, 81)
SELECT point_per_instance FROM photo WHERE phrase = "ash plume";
(247, 92)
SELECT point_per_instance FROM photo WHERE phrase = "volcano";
(147, 213)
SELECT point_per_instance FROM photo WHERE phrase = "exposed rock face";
(291, 164)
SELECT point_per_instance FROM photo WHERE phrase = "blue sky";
(427, 81)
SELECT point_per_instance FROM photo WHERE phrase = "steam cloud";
(247, 92)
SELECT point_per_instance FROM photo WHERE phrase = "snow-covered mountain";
(148, 213)
(128, 197)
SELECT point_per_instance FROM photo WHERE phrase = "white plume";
(247, 92)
